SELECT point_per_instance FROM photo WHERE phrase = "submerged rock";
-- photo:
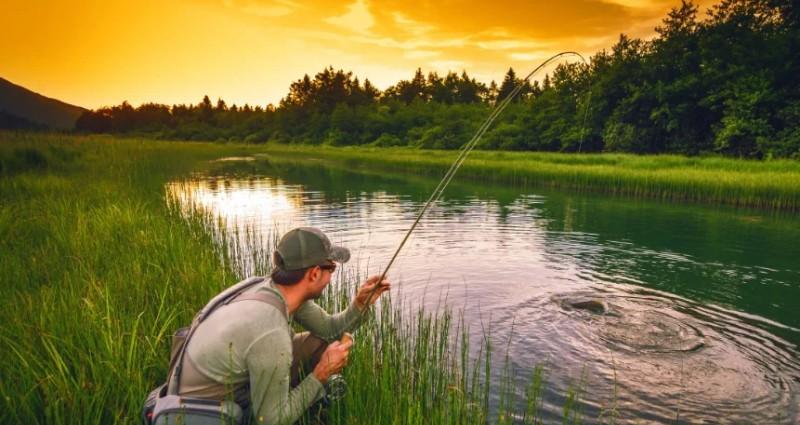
(583, 302)
(596, 306)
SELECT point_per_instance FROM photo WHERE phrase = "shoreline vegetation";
(770, 185)
(99, 268)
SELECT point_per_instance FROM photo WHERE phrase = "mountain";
(22, 108)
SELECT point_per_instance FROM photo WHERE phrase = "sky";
(99, 53)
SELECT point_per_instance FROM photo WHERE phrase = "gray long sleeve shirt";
(250, 342)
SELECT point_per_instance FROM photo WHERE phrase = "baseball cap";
(307, 246)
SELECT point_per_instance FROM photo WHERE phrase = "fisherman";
(247, 351)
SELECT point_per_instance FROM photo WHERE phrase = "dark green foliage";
(13, 122)
(726, 84)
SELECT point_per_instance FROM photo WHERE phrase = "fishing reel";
(336, 387)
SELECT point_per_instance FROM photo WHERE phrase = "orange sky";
(94, 53)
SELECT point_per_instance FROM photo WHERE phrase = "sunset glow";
(96, 53)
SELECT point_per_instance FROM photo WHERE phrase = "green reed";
(96, 273)
(98, 269)
(773, 185)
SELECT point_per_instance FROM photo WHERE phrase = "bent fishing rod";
(462, 156)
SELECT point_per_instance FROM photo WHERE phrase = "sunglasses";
(329, 267)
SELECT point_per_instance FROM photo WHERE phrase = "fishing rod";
(462, 156)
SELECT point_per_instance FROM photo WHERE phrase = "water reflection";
(720, 288)
(246, 203)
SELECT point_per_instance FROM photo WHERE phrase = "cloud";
(529, 56)
(448, 65)
(386, 39)
(411, 26)
(264, 9)
(461, 30)
(518, 18)
(645, 4)
(510, 44)
(421, 54)
(357, 19)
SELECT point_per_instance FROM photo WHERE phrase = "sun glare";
(241, 202)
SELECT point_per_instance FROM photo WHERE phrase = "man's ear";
(312, 274)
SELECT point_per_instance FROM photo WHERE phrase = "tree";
(221, 106)
(468, 90)
(745, 127)
(205, 110)
(409, 91)
(492, 93)
(510, 81)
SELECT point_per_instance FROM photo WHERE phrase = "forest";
(724, 83)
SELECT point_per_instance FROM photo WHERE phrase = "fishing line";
(462, 156)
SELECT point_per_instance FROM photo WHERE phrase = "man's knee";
(307, 351)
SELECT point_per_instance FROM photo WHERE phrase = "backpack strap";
(267, 297)
(225, 297)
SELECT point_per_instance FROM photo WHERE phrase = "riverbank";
(771, 185)
(98, 269)
(96, 273)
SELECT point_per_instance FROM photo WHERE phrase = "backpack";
(163, 405)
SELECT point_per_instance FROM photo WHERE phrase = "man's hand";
(367, 288)
(333, 360)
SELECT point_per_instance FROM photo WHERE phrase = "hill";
(23, 108)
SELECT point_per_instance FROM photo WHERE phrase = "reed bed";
(770, 185)
(96, 273)
(98, 269)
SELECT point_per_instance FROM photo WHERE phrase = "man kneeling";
(247, 351)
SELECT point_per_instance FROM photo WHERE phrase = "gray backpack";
(164, 406)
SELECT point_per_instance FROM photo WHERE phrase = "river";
(663, 312)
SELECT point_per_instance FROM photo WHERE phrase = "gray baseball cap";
(307, 246)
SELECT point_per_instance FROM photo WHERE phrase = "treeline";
(728, 83)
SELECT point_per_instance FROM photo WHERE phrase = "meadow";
(96, 274)
(98, 269)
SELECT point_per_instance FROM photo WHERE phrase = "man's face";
(321, 277)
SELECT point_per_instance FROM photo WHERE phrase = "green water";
(701, 303)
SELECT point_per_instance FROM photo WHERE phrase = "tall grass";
(97, 269)
(95, 273)
(773, 185)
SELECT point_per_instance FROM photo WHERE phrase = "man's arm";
(269, 360)
(331, 326)
(327, 326)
